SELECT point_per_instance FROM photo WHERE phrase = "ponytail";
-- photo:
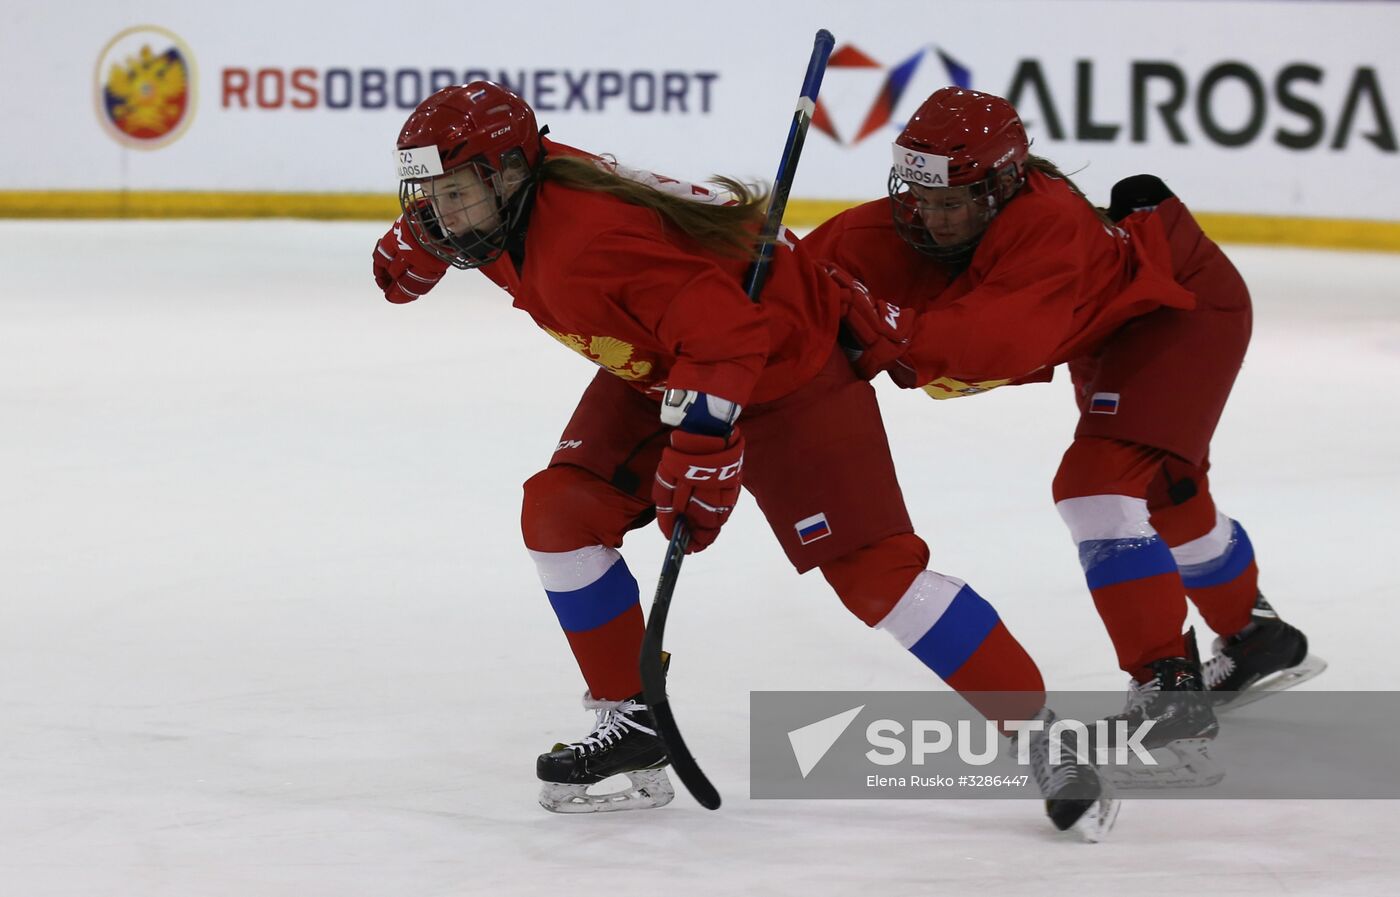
(728, 229)
(1049, 169)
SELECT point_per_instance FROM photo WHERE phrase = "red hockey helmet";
(961, 145)
(467, 159)
(978, 133)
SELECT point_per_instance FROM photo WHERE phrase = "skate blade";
(1098, 820)
(647, 789)
(1272, 684)
(1183, 763)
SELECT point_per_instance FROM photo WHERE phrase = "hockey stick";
(787, 165)
(654, 674)
(652, 669)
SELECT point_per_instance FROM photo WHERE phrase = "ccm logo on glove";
(699, 479)
(726, 472)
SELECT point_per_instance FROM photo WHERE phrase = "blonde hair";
(729, 230)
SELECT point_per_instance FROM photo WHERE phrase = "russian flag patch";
(1104, 403)
(810, 529)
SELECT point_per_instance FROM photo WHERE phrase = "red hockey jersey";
(1048, 283)
(617, 284)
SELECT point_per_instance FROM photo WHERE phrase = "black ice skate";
(623, 742)
(1076, 797)
(1265, 657)
(1177, 705)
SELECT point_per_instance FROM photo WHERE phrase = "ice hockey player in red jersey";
(699, 391)
(986, 266)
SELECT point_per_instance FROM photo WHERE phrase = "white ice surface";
(267, 627)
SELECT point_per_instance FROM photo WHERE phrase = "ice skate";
(1265, 657)
(623, 742)
(1076, 797)
(1175, 701)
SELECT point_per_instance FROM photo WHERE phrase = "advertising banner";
(1251, 108)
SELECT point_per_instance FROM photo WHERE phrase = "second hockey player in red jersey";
(699, 392)
(988, 267)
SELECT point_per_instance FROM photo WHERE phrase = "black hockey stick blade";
(654, 675)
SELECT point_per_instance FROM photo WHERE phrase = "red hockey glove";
(874, 334)
(403, 269)
(698, 479)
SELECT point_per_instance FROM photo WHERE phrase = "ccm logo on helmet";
(923, 169)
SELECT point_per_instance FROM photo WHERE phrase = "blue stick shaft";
(787, 166)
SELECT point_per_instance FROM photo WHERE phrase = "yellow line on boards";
(1323, 233)
(192, 204)
(1332, 233)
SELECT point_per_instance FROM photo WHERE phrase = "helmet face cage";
(468, 216)
(986, 197)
